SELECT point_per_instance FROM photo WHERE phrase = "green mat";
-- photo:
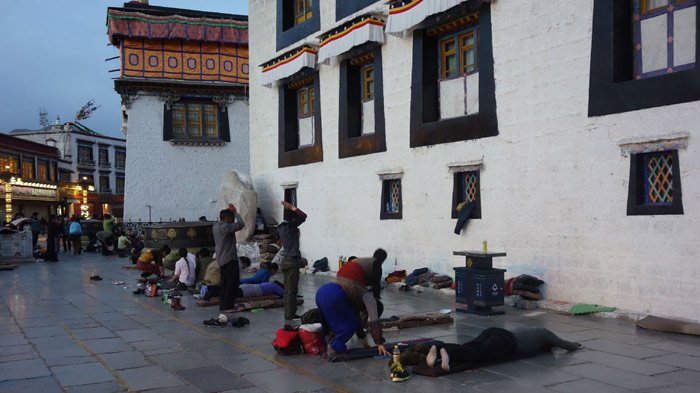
(578, 309)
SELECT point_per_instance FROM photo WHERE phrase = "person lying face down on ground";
(275, 288)
(493, 345)
(340, 303)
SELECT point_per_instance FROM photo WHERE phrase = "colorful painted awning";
(134, 24)
(360, 31)
(288, 64)
(404, 15)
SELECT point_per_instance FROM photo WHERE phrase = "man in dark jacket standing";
(224, 232)
(288, 232)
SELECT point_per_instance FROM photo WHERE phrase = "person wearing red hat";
(339, 303)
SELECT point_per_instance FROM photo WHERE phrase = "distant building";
(89, 156)
(32, 169)
(183, 82)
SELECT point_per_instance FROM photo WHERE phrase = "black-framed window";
(120, 159)
(103, 157)
(291, 26)
(290, 195)
(42, 170)
(431, 124)
(119, 186)
(467, 189)
(85, 156)
(10, 163)
(614, 87)
(300, 136)
(655, 184)
(392, 206)
(64, 176)
(104, 184)
(195, 120)
(28, 168)
(361, 128)
(344, 8)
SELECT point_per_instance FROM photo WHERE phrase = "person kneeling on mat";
(339, 303)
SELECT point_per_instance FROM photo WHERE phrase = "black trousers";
(493, 344)
(230, 280)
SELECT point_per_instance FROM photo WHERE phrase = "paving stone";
(620, 378)
(93, 333)
(103, 387)
(686, 377)
(152, 377)
(679, 360)
(282, 381)
(23, 369)
(125, 324)
(633, 351)
(138, 335)
(108, 345)
(7, 340)
(43, 385)
(180, 360)
(44, 331)
(152, 344)
(82, 374)
(644, 367)
(679, 347)
(587, 386)
(177, 389)
(248, 363)
(531, 373)
(9, 328)
(213, 379)
(124, 360)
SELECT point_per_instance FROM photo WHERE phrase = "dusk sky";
(52, 55)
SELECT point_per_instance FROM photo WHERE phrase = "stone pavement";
(61, 333)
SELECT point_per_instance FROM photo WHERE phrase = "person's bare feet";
(432, 356)
(445, 359)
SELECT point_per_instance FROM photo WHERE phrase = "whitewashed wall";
(554, 182)
(178, 181)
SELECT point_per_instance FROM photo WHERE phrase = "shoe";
(95, 278)
(401, 374)
(139, 291)
(240, 322)
(221, 321)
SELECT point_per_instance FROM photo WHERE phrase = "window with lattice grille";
(655, 186)
(391, 200)
(467, 189)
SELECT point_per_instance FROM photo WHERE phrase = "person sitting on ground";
(170, 259)
(262, 275)
(136, 247)
(203, 258)
(493, 345)
(123, 245)
(340, 303)
(184, 276)
(151, 262)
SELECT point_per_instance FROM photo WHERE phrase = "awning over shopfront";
(406, 14)
(288, 64)
(354, 33)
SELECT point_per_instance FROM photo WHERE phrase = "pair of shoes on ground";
(95, 278)
(432, 358)
(222, 321)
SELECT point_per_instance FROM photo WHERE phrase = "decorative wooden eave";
(405, 15)
(142, 23)
(131, 86)
(354, 33)
(288, 64)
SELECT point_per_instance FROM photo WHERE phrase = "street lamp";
(6, 177)
(85, 186)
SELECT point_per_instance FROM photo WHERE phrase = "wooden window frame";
(91, 159)
(116, 185)
(386, 194)
(305, 101)
(458, 52)
(458, 192)
(635, 198)
(303, 11)
(288, 32)
(13, 161)
(32, 169)
(107, 189)
(193, 113)
(463, 49)
(289, 152)
(367, 81)
(43, 164)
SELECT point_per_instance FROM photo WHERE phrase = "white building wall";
(178, 181)
(554, 182)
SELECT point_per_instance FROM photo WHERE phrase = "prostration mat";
(669, 325)
(362, 353)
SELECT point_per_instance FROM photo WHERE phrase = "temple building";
(566, 126)
(183, 79)
(29, 174)
(92, 159)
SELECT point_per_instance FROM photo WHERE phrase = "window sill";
(197, 142)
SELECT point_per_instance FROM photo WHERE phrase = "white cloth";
(185, 269)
